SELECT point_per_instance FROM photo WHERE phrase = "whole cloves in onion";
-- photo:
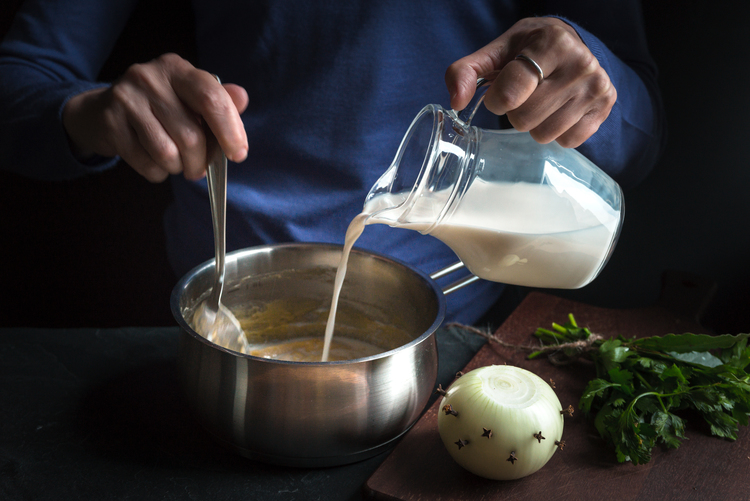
(511, 406)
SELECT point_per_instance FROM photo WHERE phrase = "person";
(315, 99)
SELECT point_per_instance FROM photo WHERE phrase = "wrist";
(82, 127)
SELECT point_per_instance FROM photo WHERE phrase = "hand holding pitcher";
(556, 90)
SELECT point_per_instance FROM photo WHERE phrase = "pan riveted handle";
(458, 284)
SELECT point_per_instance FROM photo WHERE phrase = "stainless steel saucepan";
(313, 413)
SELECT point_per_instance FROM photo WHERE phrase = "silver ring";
(532, 63)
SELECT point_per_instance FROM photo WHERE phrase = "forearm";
(34, 142)
(53, 51)
(629, 142)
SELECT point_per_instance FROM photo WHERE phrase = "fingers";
(137, 149)
(461, 76)
(201, 92)
(570, 124)
(568, 105)
(152, 117)
(142, 158)
(154, 120)
(512, 87)
(239, 96)
(461, 80)
(544, 44)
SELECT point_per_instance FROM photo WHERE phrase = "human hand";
(152, 118)
(571, 102)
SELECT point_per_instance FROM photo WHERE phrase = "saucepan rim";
(181, 286)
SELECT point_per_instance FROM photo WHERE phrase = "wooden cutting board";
(703, 468)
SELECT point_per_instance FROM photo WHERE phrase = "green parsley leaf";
(643, 383)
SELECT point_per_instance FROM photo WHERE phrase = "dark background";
(90, 252)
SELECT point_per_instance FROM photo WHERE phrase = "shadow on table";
(142, 413)
(142, 433)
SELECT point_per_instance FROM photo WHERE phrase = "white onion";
(515, 405)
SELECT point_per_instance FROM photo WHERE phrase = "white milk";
(519, 233)
(515, 233)
(352, 234)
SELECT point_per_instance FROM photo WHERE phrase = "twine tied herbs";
(559, 353)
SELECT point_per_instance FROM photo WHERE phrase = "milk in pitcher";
(516, 233)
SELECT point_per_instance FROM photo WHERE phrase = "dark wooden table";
(703, 468)
(99, 414)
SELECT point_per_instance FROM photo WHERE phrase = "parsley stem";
(643, 380)
(661, 402)
(658, 397)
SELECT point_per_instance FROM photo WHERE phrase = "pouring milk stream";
(513, 210)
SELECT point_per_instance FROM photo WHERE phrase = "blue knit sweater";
(333, 87)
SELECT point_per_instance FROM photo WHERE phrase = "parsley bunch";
(642, 383)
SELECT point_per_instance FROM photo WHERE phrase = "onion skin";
(514, 404)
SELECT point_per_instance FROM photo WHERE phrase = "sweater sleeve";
(53, 51)
(631, 139)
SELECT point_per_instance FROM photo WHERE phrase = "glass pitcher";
(513, 210)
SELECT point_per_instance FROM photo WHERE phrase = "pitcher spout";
(426, 173)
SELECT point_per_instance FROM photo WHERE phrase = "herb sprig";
(642, 384)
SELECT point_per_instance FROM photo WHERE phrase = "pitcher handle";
(466, 115)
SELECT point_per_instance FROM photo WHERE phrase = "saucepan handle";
(458, 284)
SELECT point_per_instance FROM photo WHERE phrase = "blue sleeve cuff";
(35, 143)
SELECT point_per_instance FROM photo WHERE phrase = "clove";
(551, 382)
(560, 444)
(440, 390)
(512, 458)
(568, 411)
(461, 443)
(448, 409)
(539, 436)
(486, 433)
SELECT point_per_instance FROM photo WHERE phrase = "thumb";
(461, 76)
